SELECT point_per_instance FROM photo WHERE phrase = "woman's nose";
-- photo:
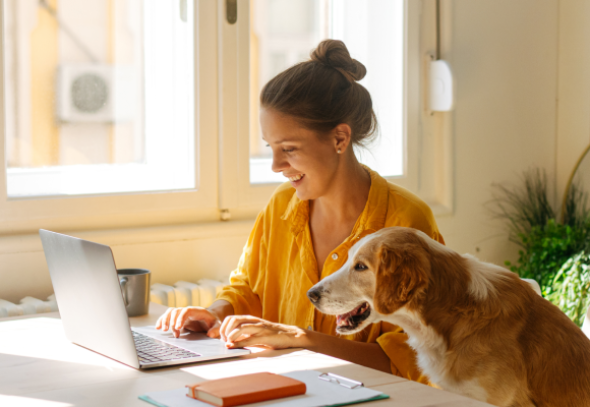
(279, 163)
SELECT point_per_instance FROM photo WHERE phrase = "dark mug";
(135, 287)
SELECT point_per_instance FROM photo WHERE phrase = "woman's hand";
(239, 331)
(196, 319)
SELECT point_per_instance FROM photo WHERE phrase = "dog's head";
(384, 272)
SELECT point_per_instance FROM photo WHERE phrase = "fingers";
(175, 322)
(265, 342)
(180, 318)
(193, 318)
(180, 321)
(159, 322)
(222, 328)
(162, 322)
(263, 336)
(246, 331)
(232, 322)
(213, 332)
(205, 316)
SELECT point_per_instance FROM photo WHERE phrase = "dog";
(478, 330)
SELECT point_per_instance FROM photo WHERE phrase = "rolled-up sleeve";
(239, 293)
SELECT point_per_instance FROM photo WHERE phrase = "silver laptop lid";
(88, 295)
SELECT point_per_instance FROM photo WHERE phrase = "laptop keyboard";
(152, 350)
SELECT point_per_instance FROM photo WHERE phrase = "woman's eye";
(289, 150)
(360, 267)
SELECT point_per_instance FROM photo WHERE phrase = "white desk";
(40, 368)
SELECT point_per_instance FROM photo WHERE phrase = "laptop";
(93, 314)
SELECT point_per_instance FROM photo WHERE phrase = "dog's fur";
(478, 330)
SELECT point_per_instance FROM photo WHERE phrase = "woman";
(312, 115)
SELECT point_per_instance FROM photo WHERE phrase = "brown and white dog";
(478, 330)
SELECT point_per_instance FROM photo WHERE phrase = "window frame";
(123, 210)
(237, 194)
(222, 142)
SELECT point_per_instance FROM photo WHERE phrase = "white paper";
(319, 393)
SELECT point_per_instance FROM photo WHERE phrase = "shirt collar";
(373, 216)
(297, 214)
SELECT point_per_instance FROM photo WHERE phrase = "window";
(284, 32)
(126, 113)
(104, 127)
(99, 95)
(385, 37)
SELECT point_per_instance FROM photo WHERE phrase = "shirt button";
(335, 256)
(309, 328)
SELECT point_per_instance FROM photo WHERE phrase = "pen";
(342, 381)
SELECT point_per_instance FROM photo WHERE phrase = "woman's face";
(309, 161)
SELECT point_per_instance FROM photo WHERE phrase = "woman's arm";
(245, 330)
(221, 309)
(237, 297)
(361, 353)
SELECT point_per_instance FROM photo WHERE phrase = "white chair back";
(586, 324)
(535, 286)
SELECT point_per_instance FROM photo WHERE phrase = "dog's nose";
(314, 295)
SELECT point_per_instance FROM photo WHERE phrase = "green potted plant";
(554, 252)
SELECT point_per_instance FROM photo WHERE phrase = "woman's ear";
(400, 275)
(342, 137)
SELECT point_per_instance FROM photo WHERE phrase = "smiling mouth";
(352, 319)
(296, 178)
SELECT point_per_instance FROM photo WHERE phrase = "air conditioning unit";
(95, 93)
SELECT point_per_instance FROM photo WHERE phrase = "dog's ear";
(401, 273)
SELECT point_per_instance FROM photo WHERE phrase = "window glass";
(284, 32)
(99, 96)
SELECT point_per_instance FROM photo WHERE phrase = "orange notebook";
(246, 389)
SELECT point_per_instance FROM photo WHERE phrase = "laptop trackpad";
(195, 342)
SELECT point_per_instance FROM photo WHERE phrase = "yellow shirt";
(278, 265)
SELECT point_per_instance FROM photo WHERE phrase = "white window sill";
(29, 243)
(97, 179)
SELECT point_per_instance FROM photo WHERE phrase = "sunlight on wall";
(17, 401)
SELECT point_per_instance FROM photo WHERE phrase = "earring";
(339, 151)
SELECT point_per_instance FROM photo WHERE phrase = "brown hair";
(323, 92)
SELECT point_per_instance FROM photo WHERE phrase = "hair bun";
(334, 53)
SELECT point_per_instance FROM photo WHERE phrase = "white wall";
(505, 58)
(573, 124)
(189, 253)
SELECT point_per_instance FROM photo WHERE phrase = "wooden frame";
(137, 209)
(427, 169)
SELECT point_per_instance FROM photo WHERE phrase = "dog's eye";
(360, 267)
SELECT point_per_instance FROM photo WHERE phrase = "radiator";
(184, 293)
(27, 306)
(181, 294)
